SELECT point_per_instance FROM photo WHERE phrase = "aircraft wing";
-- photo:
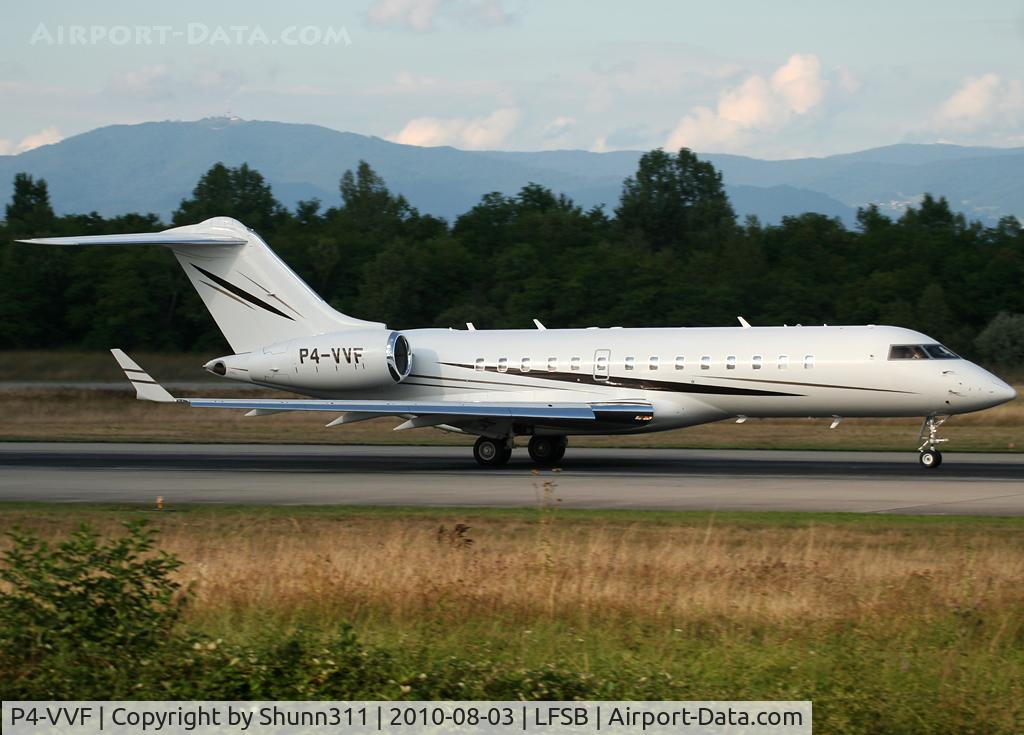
(629, 412)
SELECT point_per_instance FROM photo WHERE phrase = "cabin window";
(652, 363)
(756, 362)
(502, 364)
(552, 364)
(783, 362)
(575, 363)
(808, 362)
(921, 352)
(524, 365)
(680, 362)
(630, 363)
(479, 364)
(730, 362)
(705, 362)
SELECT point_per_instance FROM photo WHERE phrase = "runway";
(663, 479)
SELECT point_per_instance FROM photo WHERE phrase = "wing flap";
(515, 410)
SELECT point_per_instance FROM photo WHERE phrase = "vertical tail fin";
(253, 296)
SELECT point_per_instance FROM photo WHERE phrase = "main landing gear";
(547, 450)
(544, 450)
(492, 452)
(930, 456)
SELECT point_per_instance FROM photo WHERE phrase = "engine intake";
(399, 357)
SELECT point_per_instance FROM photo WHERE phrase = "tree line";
(670, 253)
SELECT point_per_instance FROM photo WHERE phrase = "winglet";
(146, 389)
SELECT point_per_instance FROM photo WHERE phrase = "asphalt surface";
(971, 484)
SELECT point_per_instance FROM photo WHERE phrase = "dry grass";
(94, 415)
(888, 625)
(395, 570)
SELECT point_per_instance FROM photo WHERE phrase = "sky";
(784, 79)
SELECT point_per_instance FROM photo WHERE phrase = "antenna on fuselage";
(470, 327)
(538, 324)
(743, 322)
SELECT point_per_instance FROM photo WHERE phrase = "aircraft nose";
(1003, 392)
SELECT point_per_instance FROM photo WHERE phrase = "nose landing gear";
(930, 457)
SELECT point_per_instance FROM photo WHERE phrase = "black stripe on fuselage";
(636, 383)
(241, 292)
(818, 385)
(503, 384)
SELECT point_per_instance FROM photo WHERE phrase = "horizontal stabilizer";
(144, 238)
(146, 389)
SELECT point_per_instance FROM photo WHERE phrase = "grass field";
(48, 414)
(909, 624)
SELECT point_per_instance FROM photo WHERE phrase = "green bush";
(81, 615)
(296, 664)
(90, 618)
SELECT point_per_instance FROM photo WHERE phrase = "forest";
(670, 252)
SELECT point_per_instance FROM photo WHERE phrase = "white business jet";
(546, 384)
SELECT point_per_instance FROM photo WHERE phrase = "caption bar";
(413, 718)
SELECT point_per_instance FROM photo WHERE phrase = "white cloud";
(750, 105)
(473, 134)
(799, 82)
(422, 16)
(985, 101)
(46, 136)
(758, 104)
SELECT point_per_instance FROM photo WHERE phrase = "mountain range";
(151, 167)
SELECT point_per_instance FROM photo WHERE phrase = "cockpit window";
(921, 352)
(938, 352)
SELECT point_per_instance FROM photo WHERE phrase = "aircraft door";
(602, 359)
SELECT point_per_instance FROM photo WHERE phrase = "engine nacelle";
(351, 360)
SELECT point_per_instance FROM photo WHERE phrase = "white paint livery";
(543, 383)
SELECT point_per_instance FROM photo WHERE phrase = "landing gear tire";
(930, 458)
(491, 452)
(547, 450)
